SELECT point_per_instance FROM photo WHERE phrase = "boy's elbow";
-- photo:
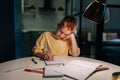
(75, 55)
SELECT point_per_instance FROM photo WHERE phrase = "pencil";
(15, 69)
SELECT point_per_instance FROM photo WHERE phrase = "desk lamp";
(95, 11)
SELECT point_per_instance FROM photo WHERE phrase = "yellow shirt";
(56, 47)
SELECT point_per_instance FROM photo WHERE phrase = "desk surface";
(19, 65)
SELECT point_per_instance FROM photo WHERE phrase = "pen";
(46, 48)
(33, 60)
(48, 53)
(34, 70)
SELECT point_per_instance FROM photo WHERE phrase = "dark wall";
(7, 49)
(18, 29)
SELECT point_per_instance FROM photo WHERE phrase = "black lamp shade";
(95, 11)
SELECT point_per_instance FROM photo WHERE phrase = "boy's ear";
(75, 29)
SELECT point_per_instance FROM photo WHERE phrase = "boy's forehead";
(68, 29)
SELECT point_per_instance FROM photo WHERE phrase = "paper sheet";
(50, 71)
(56, 61)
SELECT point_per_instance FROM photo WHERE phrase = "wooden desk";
(20, 74)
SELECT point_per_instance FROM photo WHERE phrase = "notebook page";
(56, 61)
(50, 71)
(78, 69)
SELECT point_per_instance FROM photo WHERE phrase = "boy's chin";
(57, 37)
(63, 39)
(60, 38)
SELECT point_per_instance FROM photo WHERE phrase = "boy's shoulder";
(46, 33)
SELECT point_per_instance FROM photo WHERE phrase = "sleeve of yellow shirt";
(39, 45)
(77, 49)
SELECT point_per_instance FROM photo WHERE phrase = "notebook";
(50, 71)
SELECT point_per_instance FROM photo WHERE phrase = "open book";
(78, 69)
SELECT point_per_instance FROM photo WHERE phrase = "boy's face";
(63, 33)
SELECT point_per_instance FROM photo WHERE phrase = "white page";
(50, 71)
(78, 69)
(56, 61)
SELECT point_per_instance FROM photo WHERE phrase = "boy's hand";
(69, 37)
(48, 57)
